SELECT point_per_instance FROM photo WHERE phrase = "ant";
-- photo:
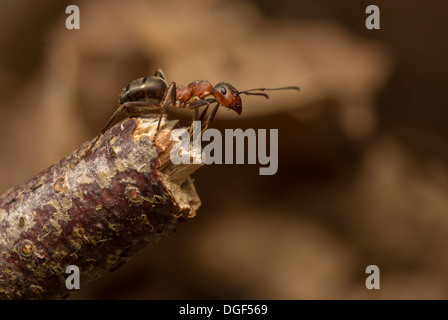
(147, 94)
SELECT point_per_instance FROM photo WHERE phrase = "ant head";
(229, 97)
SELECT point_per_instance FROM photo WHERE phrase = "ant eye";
(223, 90)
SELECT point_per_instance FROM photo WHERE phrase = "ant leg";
(140, 108)
(195, 117)
(196, 105)
(159, 73)
(199, 103)
(204, 112)
(196, 114)
(108, 124)
(210, 117)
(128, 107)
(169, 99)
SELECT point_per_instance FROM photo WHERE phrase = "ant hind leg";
(159, 73)
(169, 99)
(104, 129)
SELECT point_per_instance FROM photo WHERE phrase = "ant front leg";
(196, 105)
(210, 117)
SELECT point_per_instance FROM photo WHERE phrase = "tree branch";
(123, 196)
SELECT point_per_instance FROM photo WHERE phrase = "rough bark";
(96, 214)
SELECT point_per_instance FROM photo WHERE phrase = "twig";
(123, 196)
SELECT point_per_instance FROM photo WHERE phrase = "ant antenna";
(250, 93)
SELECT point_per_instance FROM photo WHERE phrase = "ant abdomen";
(148, 90)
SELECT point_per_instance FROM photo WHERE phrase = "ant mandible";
(148, 94)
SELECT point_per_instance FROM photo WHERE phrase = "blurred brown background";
(363, 171)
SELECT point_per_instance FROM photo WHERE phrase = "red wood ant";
(144, 95)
